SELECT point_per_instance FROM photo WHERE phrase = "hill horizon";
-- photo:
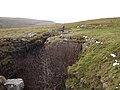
(10, 22)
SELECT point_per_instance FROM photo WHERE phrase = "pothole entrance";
(46, 69)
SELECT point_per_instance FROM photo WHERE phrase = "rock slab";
(14, 84)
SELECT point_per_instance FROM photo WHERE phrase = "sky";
(60, 11)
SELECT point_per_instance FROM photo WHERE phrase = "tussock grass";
(96, 60)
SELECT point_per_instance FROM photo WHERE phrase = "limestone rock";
(31, 34)
(2, 80)
(14, 84)
(87, 26)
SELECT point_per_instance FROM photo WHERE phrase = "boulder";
(14, 84)
(62, 36)
(87, 26)
(2, 81)
(31, 34)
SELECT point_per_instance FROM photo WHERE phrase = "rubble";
(116, 63)
(113, 55)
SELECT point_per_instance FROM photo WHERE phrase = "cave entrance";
(46, 68)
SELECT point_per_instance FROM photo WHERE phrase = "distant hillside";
(21, 22)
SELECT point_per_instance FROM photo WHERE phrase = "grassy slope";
(95, 64)
(6, 22)
(22, 32)
(95, 68)
(19, 33)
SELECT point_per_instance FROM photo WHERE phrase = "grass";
(96, 60)
(19, 33)
(93, 70)
(6, 22)
(22, 32)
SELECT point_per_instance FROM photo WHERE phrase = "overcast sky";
(60, 10)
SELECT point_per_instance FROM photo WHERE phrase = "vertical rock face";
(12, 48)
(14, 84)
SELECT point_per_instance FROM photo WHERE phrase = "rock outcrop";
(11, 48)
(14, 84)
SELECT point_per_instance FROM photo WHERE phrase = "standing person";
(63, 28)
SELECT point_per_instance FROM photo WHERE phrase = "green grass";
(19, 33)
(94, 67)
(7, 22)
(96, 60)
(22, 32)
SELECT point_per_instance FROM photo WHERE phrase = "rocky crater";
(42, 67)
